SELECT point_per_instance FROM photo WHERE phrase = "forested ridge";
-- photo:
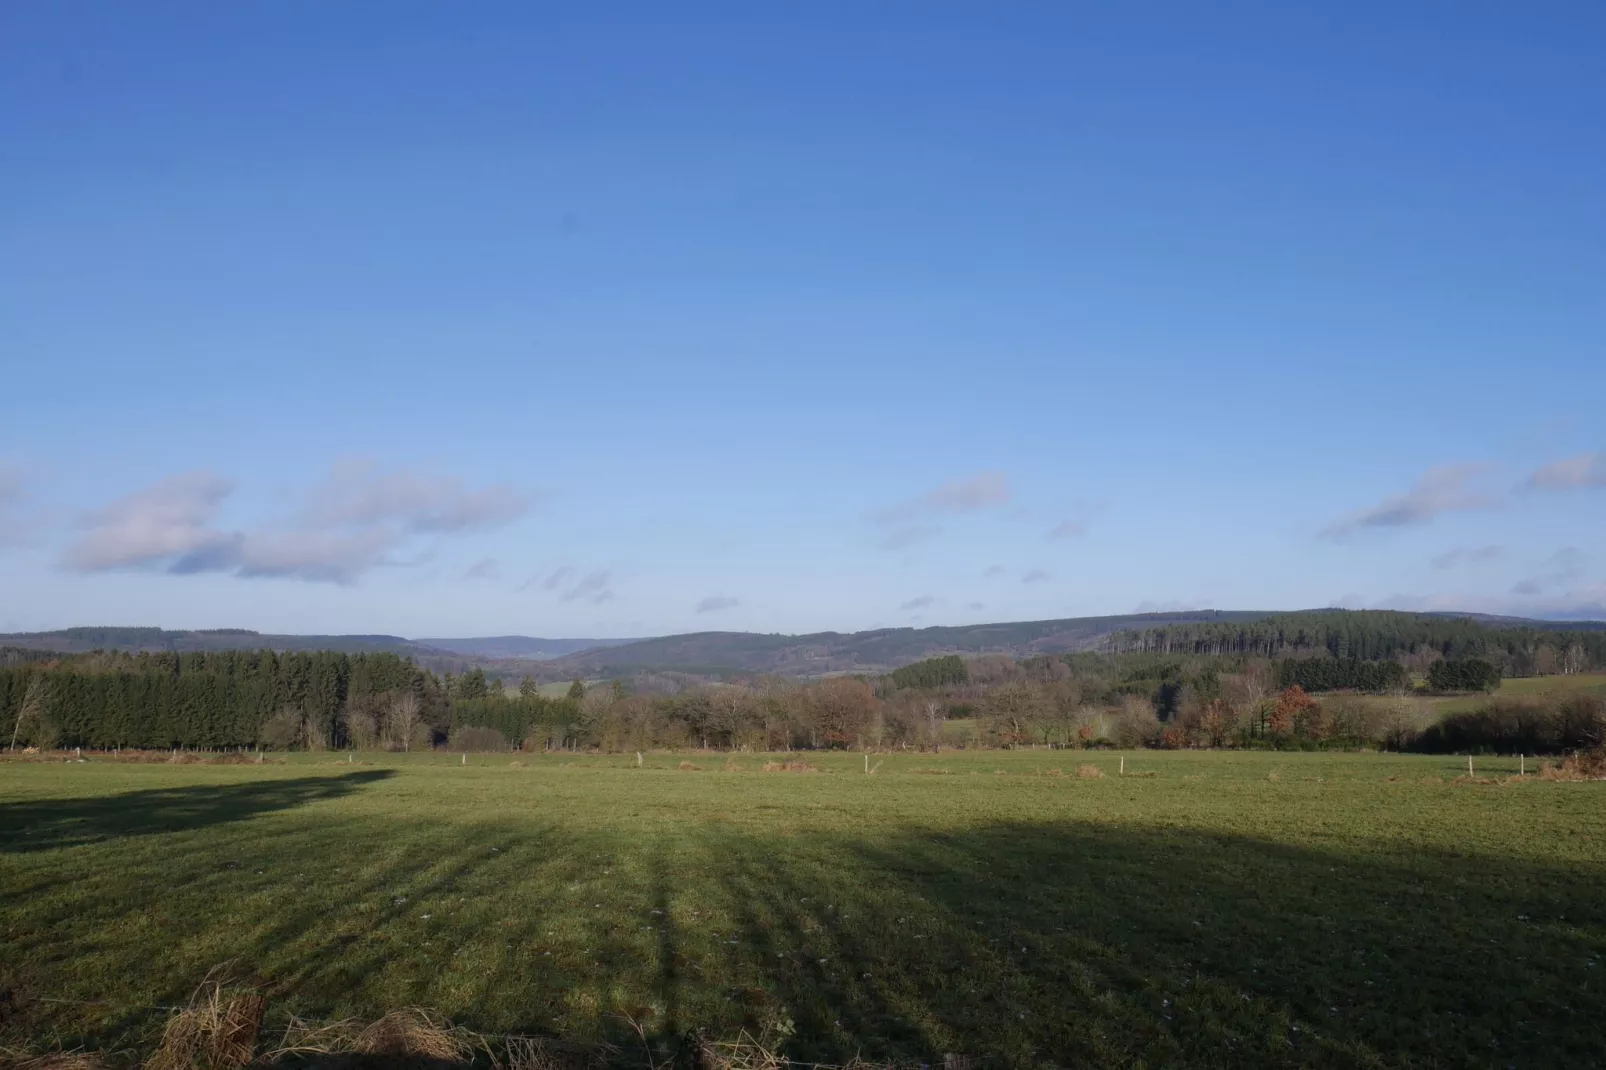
(1372, 635)
(1198, 683)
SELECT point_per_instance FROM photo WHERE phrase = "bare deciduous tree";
(403, 721)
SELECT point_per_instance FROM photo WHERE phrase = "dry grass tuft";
(687, 767)
(217, 1031)
(1582, 765)
(932, 772)
(732, 765)
(1089, 772)
(537, 1053)
(790, 767)
(746, 1052)
(410, 1034)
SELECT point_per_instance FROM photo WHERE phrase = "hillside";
(525, 647)
(870, 651)
(135, 640)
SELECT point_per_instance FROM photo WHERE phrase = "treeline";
(1533, 725)
(1343, 674)
(318, 700)
(1463, 674)
(1375, 635)
(216, 700)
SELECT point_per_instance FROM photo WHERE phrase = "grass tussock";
(688, 767)
(791, 767)
(732, 765)
(1583, 765)
(218, 1030)
(1088, 772)
(400, 1036)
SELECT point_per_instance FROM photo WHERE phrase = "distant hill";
(1544, 625)
(153, 640)
(520, 646)
(871, 651)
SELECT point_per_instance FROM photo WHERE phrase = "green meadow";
(1206, 908)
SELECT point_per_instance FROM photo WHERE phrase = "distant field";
(1209, 909)
(1526, 685)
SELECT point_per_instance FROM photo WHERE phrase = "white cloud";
(1469, 555)
(355, 520)
(360, 492)
(1449, 488)
(1584, 470)
(167, 521)
(914, 520)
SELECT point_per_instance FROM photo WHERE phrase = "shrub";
(1136, 725)
(283, 731)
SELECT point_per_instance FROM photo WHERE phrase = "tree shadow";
(1082, 944)
(42, 824)
(1016, 943)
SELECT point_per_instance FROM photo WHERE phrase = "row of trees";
(1376, 635)
(295, 700)
(219, 700)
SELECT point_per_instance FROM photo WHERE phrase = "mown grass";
(1210, 908)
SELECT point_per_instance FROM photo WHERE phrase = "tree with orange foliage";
(1290, 704)
(1214, 721)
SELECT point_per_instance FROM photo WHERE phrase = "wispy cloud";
(904, 537)
(993, 572)
(359, 518)
(716, 602)
(484, 569)
(592, 587)
(1559, 569)
(18, 522)
(362, 492)
(1067, 529)
(1469, 555)
(1446, 489)
(168, 521)
(1584, 470)
(915, 520)
(922, 602)
(1166, 606)
(1035, 575)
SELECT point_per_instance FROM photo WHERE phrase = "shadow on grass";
(1083, 944)
(41, 824)
(1021, 944)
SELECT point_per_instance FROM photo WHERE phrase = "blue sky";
(627, 319)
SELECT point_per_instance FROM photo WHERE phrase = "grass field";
(1208, 909)
(1525, 687)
